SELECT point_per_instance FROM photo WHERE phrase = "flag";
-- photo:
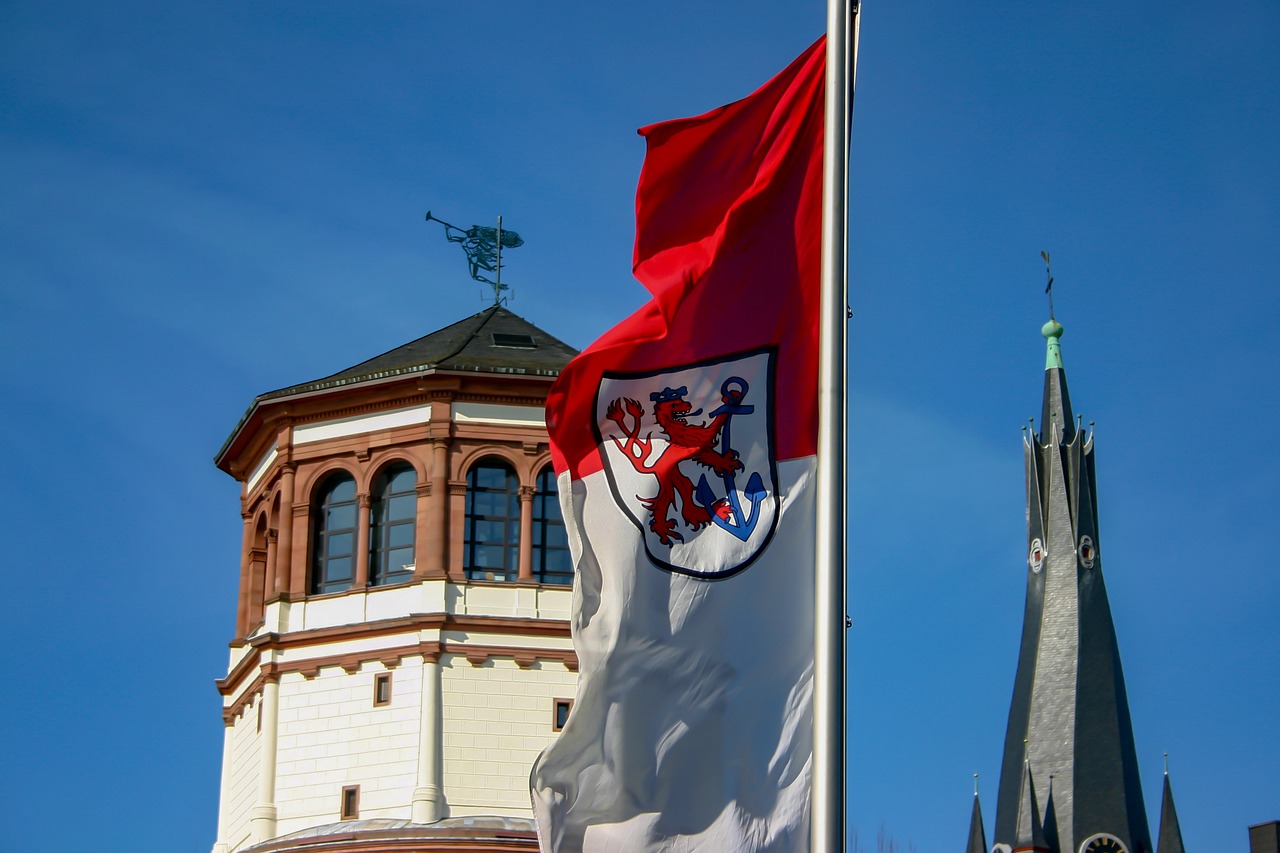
(684, 442)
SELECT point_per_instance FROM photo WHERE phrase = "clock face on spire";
(1103, 843)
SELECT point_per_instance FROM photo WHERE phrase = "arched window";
(551, 560)
(333, 543)
(492, 539)
(391, 525)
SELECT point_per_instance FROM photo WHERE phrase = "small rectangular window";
(351, 802)
(505, 339)
(560, 713)
(382, 689)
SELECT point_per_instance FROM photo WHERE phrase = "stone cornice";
(500, 625)
(390, 657)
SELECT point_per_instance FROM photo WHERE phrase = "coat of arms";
(690, 458)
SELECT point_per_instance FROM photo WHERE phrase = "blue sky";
(205, 202)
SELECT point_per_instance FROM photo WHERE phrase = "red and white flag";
(685, 444)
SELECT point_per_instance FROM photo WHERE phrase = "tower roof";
(494, 341)
(1170, 831)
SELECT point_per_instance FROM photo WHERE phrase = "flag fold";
(684, 441)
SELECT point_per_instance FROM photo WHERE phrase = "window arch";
(333, 543)
(552, 563)
(491, 546)
(392, 517)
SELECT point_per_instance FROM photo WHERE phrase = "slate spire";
(1069, 714)
(977, 835)
(1170, 831)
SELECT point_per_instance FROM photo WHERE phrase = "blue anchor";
(733, 390)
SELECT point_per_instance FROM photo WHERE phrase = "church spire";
(1069, 714)
(1170, 831)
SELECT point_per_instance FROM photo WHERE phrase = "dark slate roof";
(493, 341)
(1030, 831)
(1170, 832)
(977, 835)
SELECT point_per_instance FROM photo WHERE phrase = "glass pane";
(343, 490)
(340, 544)
(403, 506)
(400, 535)
(402, 481)
(487, 556)
(488, 503)
(339, 570)
(341, 517)
(556, 536)
(487, 531)
(398, 559)
(488, 477)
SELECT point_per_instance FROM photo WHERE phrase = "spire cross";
(1048, 288)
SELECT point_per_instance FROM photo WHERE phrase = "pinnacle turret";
(977, 835)
(1030, 836)
(1170, 831)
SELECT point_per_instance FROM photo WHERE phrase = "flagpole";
(828, 797)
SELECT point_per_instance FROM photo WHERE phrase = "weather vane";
(1048, 288)
(483, 246)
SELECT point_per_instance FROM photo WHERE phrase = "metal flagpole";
(827, 796)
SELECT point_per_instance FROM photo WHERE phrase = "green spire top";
(1052, 331)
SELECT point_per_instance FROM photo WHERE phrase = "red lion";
(687, 441)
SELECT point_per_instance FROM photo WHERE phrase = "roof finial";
(1166, 764)
(975, 784)
(1048, 288)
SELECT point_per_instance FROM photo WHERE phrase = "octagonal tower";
(402, 648)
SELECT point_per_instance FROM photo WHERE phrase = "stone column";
(526, 534)
(224, 789)
(284, 545)
(433, 517)
(242, 606)
(269, 579)
(362, 543)
(428, 796)
(298, 561)
(262, 818)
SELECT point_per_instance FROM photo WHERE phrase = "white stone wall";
(496, 719)
(332, 735)
(242, 786)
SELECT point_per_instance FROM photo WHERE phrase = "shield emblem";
(689, 453)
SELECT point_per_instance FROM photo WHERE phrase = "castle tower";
(1069, 725)
(402, 649)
